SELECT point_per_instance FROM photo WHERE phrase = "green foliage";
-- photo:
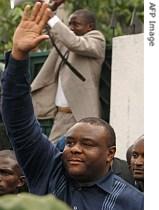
(109, 13)
(9, 19)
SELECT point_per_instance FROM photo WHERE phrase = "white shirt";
(60, 99)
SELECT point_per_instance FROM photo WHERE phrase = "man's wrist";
(53, 21)
(18, 54)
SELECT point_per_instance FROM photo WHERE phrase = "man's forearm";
(15, 85)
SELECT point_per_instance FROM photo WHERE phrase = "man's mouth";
(75, 161)
(138, 171)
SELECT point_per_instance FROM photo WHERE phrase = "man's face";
(86, 156)
(79, 25)
(9, 176)
(137, 161)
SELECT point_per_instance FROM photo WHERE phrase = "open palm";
(29, 32)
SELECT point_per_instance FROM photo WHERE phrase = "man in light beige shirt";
(56, 91)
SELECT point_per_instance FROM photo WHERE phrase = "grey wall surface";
(127, 90)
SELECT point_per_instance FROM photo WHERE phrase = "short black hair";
(8, 153)
(129, 154)
(108, 128)
(11, 154)
(88, 15)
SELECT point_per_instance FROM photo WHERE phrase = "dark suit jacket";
(120, 168)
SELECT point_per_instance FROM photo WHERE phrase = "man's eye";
(77, 25)
(4, 173)
(87, 144)
(69, 143)
(134, 155)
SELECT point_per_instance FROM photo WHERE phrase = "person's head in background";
(89, 149)
(128, 156)
(137, 162)
(11, 176)
(82, 21)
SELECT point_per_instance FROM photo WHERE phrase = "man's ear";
(21, 181)
(111, 153)
(90, 26)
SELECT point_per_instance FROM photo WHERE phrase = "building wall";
(127, 90)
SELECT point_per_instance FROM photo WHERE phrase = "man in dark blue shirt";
(80, 175)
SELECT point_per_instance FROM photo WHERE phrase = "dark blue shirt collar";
(105, 183)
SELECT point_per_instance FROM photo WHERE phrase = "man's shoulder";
(96, 33)
(125, 194)
(128, 195)
(131, 190)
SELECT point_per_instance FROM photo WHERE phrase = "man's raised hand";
(29, 32)
(54, 4)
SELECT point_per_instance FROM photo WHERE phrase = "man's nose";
(76, 148)
(71, 27)
(140, 160)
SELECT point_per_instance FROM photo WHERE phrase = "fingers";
(39, 39)
(26, 13)
(35, 11)
(41, 12)
(45, 17)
